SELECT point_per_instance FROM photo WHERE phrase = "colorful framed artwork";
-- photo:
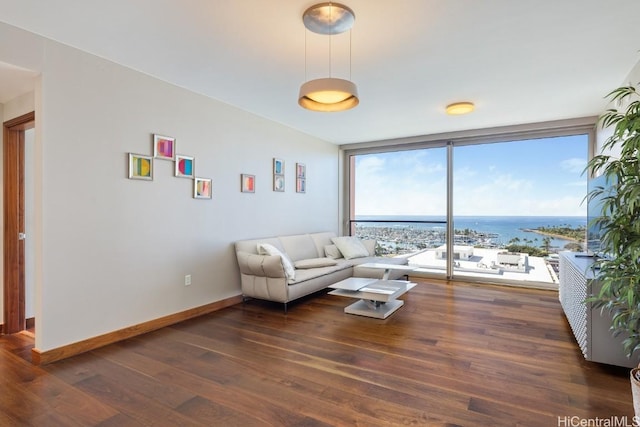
(301, 170)
(278, 183)
(184, 166)
(164, 147)
(278, 167)
(247, 183)
(201, 188)
(140, 167)
(301, 185)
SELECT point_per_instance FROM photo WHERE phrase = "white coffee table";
(376, 297)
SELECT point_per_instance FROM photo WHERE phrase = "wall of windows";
(487, 209)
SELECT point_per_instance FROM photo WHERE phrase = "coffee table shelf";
(377, 298)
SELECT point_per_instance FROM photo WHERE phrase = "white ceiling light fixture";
(459, 108)
(328, 94)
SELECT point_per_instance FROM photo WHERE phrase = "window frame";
(583, 126)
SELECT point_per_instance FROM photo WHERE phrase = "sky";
(541, 177)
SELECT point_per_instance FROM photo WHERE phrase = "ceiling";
(518, 61)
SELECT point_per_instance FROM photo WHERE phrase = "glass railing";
(477, 254)
(401, 238)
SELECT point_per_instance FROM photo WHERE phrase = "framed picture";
(184, 166)
(164, 147)
(301, 185)
(278, 183)
(301, 170)
(201, 188)
(278, 167)
(140, 167)
(247, 183)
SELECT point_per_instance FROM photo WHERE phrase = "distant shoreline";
(493, 232)
(555, 236)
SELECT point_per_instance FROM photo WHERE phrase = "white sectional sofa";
(316, 260)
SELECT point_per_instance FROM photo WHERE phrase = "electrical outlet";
(187, 280)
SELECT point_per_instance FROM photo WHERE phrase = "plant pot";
(635, 389)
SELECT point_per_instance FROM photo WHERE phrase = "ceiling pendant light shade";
(328, 95)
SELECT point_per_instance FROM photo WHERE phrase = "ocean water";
(506, 227)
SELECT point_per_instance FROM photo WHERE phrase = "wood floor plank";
(46, 397)
(208, 412)
(454, 354)
(7, 420)
(268, 388)
(132, 403)
(19, 405)
(211, 379)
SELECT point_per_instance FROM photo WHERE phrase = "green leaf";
(619, 219)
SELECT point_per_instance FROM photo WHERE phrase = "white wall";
(634, 76)
(112, 252)
(19, 106)
(633, 79)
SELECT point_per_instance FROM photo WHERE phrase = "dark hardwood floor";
(455, 354)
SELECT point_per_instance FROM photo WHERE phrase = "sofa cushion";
(332, 251)
(312, 273)
(314, 263)
(251, 246)
(350, 247)
(268, 249)
(370, 244)
(321, 240)
(299, 247)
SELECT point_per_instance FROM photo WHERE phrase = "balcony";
(478, 255)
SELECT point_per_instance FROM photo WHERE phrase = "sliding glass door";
(491, 211)
(516, 205)
(399, 198)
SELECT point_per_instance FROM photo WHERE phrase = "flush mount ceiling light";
(328, 94)
(458, 108)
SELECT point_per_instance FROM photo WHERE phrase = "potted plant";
(619, 272)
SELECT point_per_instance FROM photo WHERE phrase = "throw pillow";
(267, 249)
(332, 251)
(370, 244)
(350, 247)
(314, 262)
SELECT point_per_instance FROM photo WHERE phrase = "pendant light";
(328, 94)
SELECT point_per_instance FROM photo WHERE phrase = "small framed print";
(201, 188)
(278, 183)
(301, 185)
(301, 171)
(278, 167)
(164, 147)
(184, 166)
(247, 183)
(140, 167)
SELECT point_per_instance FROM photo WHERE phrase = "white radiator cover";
(590, 327)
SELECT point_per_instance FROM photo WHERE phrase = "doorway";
(14, 222)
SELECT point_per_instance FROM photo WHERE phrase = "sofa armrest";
(260, 265)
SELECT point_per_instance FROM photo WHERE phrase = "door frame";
(13, 197)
